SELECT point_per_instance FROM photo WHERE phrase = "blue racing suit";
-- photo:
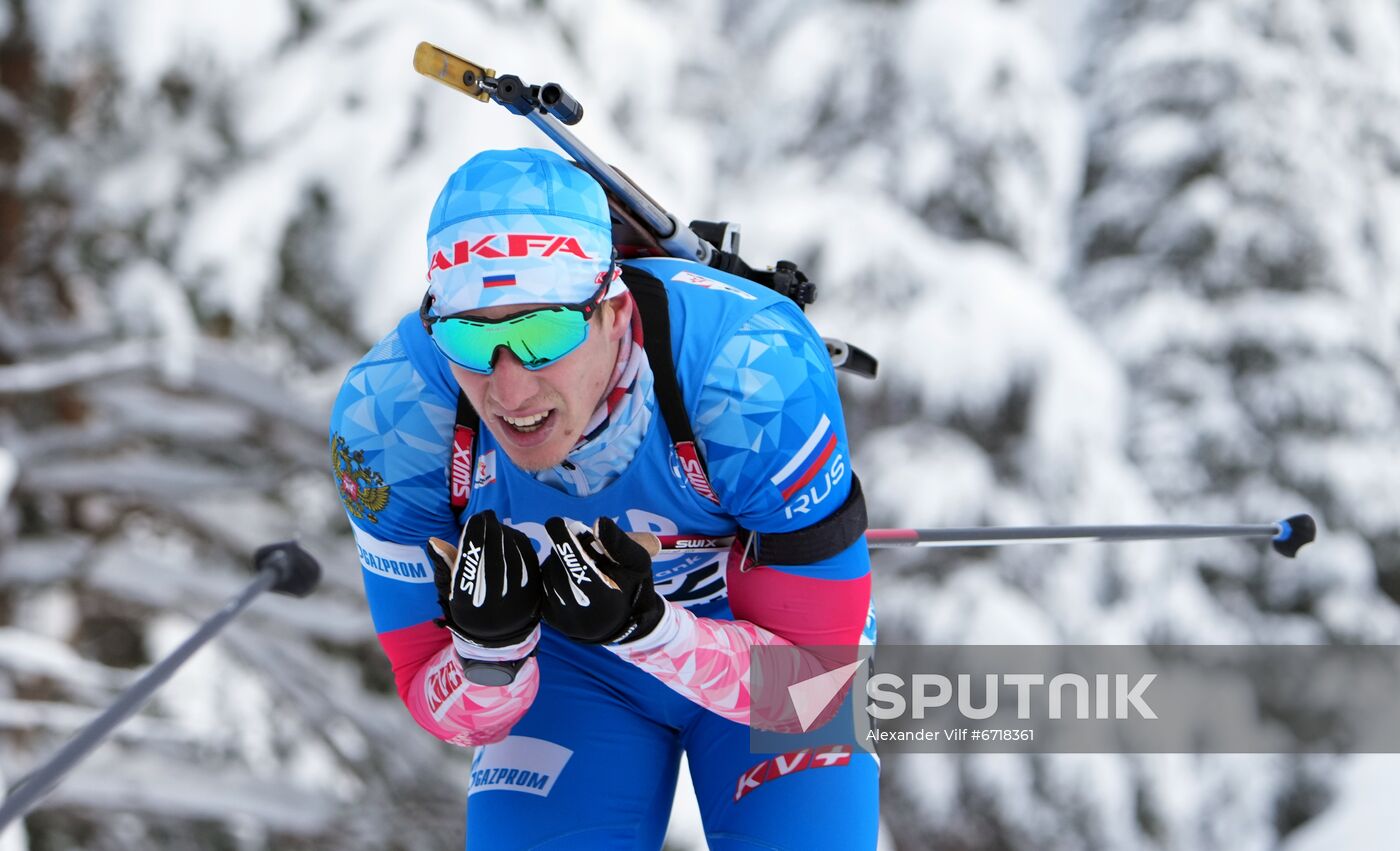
(582, 750)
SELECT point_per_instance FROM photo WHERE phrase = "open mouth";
(529, 424)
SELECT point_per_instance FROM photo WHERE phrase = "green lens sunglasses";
(538, 337)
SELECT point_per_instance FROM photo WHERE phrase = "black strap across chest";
(655, 309)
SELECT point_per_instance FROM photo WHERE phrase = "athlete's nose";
(511, 384)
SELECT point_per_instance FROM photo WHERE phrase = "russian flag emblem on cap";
(498, 281)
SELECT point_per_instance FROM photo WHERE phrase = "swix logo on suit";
(695, 471)
(462, 438)
(499, 246)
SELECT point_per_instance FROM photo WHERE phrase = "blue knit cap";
(518, 227)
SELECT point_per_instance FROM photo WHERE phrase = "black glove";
(489, 586)
(597, 587)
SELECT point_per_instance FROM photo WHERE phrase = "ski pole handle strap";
(821, 540)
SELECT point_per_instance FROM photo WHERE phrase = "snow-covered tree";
(159, 423)
(945, 148)
(1235, 249)
(1122, 261)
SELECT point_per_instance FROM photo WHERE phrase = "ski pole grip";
(1294, 533)
(297, 571)
(649, 542)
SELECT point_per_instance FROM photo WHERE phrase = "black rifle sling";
(655, 309)
(822, 540)
(460, 468)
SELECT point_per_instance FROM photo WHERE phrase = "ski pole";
(1288, 536)
(285, 568)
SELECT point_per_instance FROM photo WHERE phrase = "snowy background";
(1122, 261)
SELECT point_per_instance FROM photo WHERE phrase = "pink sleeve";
(707, 660)
(441, 700)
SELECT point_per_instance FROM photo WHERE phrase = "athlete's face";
(512, 398)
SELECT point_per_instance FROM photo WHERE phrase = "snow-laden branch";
(44, 376)
(64, 719)
(25, 654)
(142, 782)
(140, 474)
(218, 370)
(43, 561)
(381, 748)
(199, 588)
(9, 474)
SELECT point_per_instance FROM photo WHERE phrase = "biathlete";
(493, 450)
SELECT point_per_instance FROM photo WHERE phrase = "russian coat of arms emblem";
(361, 489)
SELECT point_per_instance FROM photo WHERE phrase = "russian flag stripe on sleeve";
(797, 468)
(811, 471)
(498, 281)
